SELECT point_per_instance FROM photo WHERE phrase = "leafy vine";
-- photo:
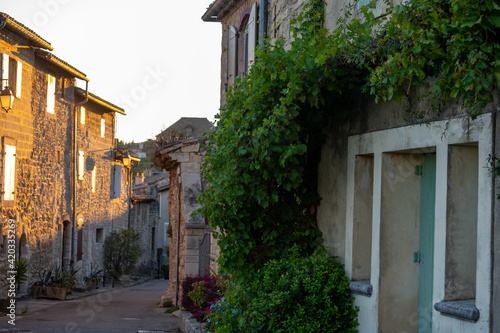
(263, 156)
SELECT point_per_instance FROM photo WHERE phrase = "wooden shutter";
(82, 115)
(51, 94)
(232, 55)
(9, 172)
(19, 78)
(5, 70)
(94, 171)
(103, 127)
(252, 36)
(117, 181)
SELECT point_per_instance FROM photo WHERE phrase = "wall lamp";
(6, 98)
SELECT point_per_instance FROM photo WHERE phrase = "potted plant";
(54, 285)
(92, 279)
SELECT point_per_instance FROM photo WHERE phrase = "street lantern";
(6, 99)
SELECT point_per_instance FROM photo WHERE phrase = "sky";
(155, 58)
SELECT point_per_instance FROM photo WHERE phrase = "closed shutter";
(252, 36)
(232, 55)
(9, 172)
(51, 94)
(5, 70)
(81, 164)
(94, 171)
(19, 78)
(117, 181)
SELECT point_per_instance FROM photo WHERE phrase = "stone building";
(61, 182)
(189, 244)
(149, 217)
(379, 215)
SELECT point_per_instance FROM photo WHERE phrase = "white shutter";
(117, 181)
(252, 35)
(103, 127)
(51, 94)
(5, 70)
(19, 78)
(81, 164)
(9, 172)
(82, 115)
(232, 55)
(94, 171)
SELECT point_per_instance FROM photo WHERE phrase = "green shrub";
(297, 294)
(121, 252)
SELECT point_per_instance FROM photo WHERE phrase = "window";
(81, 164)
(99, 235)
(232, 54)
(250, 36)
(94, 171)
(5, 70)
(103, 127)
(14, 74)
(82, 115)
(117, 181)
(51, 94)
(9, 172)
(79, 243)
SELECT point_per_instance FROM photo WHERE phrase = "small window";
(9, 172)
(58, 156)
(103, 127)
(117, 181)
(15, 77)
(79, 242)
(94, 171)
(82, 115)
(99, 235)
(51, 94)
(81, 164)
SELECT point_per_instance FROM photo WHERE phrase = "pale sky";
(155, 58)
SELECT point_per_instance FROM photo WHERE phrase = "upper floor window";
(103, 127)
(51, 94)
(11, 71)
(81, 164)
(82, 115)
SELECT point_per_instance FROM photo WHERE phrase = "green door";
(426, 255)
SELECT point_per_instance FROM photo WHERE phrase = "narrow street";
(126, 310)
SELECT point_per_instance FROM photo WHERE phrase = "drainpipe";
(178, 238)
(263, 21)
(75, 170)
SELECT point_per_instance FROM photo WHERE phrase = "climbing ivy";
(262, 159)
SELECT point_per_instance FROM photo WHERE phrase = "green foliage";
(452, 41)
(264, 152)
(296, 294)
(121, 252)
(21, 267)
(197, 293)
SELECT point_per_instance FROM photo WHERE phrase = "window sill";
(462, 309)
(362, 287)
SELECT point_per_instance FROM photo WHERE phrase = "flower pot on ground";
(49, 292)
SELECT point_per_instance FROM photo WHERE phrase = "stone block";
(195, 147)
(180, 157)
(193, 168)
(191, 268)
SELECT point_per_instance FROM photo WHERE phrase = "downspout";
(129, 193)
(75, 168)
(263, 22)
(178, 237)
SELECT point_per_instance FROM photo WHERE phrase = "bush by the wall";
(296, 294)
(210, 294)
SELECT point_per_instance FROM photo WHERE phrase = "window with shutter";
(232, 55)
(94, 171)
(5, 70)
(82, 115)
(51, 94)
(103, 127)
(19, 78)
(81, 164)
(117, 181)
(9, 172)
(251, 38)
